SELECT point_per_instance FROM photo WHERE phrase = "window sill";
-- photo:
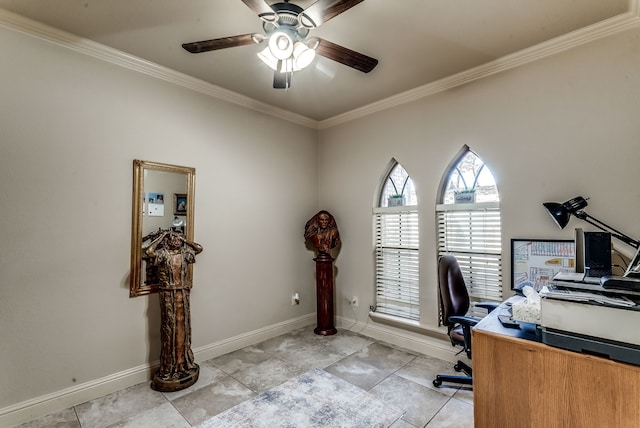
(467, 207)
(398, 209)
(408, 324)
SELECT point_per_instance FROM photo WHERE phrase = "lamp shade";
(267, 57)
(303, 56)
(281, 45)
(558, 213)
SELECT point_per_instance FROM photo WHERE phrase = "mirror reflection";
(162, 199)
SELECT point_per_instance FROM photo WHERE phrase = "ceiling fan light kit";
(303, 54)
(281, 44)
(295, 59)
(286, 26)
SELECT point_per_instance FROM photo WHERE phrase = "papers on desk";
(577, 277)
(554, 292)
(593, 288)
(569, 276)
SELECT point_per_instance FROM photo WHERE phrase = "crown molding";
(608, 27)
(97, 50)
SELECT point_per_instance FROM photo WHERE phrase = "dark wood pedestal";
(324, 295)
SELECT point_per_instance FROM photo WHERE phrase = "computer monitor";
(535, 262)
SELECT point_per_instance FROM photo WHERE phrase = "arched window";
(469, 228)
(396, 246)
(399, 186)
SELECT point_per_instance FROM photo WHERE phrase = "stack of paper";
(583, 296)
(569, 276)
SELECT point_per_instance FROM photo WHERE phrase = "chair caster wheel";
(457, 368)
(437, 383)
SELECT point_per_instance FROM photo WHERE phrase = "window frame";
(397, 249)
(479, 224)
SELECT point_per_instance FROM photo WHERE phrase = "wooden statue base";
(171, 385)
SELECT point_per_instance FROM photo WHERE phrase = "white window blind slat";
(473, 236)
(397, 262)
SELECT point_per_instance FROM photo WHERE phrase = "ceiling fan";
(286, 29)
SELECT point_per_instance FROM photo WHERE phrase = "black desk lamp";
(560, 213)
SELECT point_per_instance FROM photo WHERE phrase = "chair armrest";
(489, 306)
(465, 321)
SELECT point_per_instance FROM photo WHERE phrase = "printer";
(590, 327)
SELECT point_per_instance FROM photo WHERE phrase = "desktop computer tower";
(579, 240)
(597, 253)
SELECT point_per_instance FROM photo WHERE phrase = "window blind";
(397, 262)
(473, 235)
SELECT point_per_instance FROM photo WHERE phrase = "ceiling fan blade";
(346, 56)
(323, 10)
(260, 7)
(221, 43)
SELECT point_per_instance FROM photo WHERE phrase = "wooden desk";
(519, 382)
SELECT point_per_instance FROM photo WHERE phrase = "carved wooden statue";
(322, 231)
(170, 253)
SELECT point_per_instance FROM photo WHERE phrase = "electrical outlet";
(354, 301)
(295, 299)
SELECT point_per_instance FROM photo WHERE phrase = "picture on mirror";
(156, 198)
(156, 204)
(180, 204)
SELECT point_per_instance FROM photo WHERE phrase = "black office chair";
(454, 304)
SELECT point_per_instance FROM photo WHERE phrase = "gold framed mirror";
(163, 198)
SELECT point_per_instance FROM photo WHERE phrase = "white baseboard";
(231, 344)
(50, 403)
(413, 341)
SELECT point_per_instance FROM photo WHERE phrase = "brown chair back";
(454, 297)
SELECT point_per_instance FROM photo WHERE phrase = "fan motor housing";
(287, 16)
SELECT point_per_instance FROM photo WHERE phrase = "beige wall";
(71, 125)
(70, 128)
(554, 129)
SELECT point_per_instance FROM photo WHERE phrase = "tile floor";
(402, 378)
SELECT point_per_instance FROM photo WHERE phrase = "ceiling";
(417, 42)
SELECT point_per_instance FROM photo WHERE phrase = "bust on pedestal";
(321, 230)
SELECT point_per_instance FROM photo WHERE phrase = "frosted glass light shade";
(281, 45)
(302, 55)
(267, 57)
